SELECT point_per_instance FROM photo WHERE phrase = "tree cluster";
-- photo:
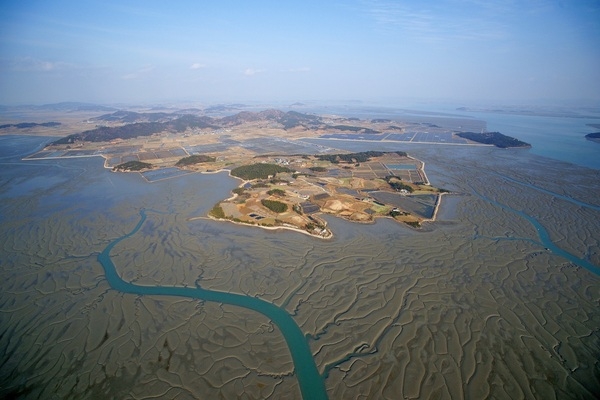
(355, 157)
(258, 171)
(397, 184)
(132, 166)
(274, 205)
(194, 159)
(276, 192)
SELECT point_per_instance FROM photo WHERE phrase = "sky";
(111, 52)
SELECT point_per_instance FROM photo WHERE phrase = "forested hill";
(595, 137)
(129, 131)
(495, 138)
(146, 124)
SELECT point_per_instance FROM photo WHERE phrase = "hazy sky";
(213, 51)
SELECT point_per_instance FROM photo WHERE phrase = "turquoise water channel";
(544, 237)
(311, 383)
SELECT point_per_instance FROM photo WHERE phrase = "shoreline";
(420, 168)
(298, 230)
(270, 228)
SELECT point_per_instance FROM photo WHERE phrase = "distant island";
(495, 138)
(594, 137)
(25, 125)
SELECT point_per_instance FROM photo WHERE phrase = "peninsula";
(286, 181)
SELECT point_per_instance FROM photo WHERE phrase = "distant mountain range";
(146, 124)
(64, 107)
(131, 117)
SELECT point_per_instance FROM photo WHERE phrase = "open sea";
(557, 137)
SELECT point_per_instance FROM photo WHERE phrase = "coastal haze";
(189, 208)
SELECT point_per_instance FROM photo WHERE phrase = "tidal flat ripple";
(472, 307)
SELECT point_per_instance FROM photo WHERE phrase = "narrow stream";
(311, 383)
(543, 235)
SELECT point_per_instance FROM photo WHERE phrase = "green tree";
(274, 205)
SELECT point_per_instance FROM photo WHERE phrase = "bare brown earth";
(324, 193)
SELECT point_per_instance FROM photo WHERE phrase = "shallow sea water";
(471, 306)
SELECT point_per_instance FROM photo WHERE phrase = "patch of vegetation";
(274, 205)
(495, 138)
(239, 191)
(414, 224)
(396, 184)
(129, 131)
(296, 175)
(276, 192)
(258, 171)
(277, 181)
(353, 129)
(132, 166)
(217, 212)
(105, 133)
(292, 119)
(311, 226)
(194, 159)
(355, 157)
(318, 169)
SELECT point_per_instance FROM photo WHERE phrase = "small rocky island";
(594, 137)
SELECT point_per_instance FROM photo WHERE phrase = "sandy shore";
(269, 228)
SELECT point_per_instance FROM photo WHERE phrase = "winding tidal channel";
(543, 236)
(310, 381)
(108, 291)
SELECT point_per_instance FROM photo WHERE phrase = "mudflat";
(474, 305)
